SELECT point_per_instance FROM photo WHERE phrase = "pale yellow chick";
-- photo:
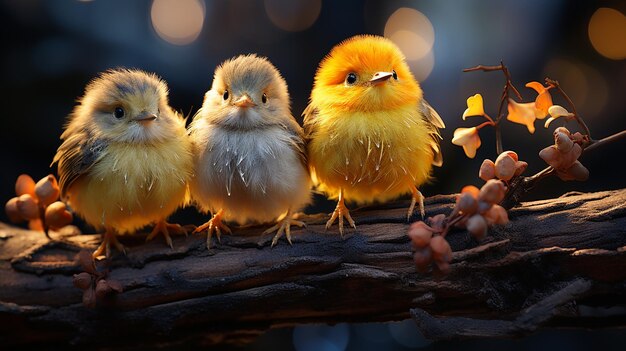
(125, 161)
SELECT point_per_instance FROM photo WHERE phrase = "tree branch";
(559, 262)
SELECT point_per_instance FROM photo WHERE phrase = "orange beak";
(244, 101)
(145, 118)
(380, 77)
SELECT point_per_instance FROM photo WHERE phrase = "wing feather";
(431, 116)
(75, 157)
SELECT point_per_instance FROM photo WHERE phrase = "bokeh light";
(406, 334)
(607, 33)
(321, 337)
(178, 21)
(293, 15)
(582, 83)
(413, 32)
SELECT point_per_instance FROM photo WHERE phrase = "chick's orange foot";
(215, 224)
(416, 197)
(284, 226)
(108, 238)
(341, 212)
(165, 228)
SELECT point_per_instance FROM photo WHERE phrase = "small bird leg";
(162, 227)
(215, 224)
(284, 226)
(109, 237)
(416, 196)
(341, 212)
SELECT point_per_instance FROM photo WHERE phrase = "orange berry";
(511, 154)
(82, 280)
(477, 226)
(496, 215)
(441, 249)
(551, 156)
(563, 142)
(487, 170)
(47, 190)
(57, 216)
(505, 166)
(420, 234)
(27, 207)
(102, 288)
(89, 298)
(467, 203)
(12, 212)
(493, 191)
(470, 189)
(520, 167)
(561, 130)
(436, 222)
(24, 185)
(423, 257)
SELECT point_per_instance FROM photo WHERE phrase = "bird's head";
(126, 105)
(365, 73)
(247, 92)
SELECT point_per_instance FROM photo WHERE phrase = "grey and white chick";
(249, 152)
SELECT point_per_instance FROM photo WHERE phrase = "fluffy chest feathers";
(372, 156)
(133, 185)
(252, 174)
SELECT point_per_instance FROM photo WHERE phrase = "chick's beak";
(380, 77)
(244, 101)
(145, 118)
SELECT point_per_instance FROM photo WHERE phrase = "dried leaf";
(524, 114)
(474, 106)
(469, 139)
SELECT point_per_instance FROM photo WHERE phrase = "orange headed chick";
(371, 135)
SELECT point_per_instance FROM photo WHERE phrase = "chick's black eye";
(351, 78)
(264, 98)
(395, 75)
(119, 112)
(225, 96)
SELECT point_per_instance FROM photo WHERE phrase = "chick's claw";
(109, 238)
(215, 224)
(162, 227)
(284, 226)
(415, 198)
(341, 212)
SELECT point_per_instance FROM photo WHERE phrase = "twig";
(555, 84)
(522, 185)
(503, 98)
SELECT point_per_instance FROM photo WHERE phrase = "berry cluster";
(94, 284)
(38, 204)
(563, 155)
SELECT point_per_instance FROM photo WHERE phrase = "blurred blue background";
(51, 49)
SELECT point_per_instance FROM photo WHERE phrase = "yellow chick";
(125, 160)
(371, 135)
(250, 163)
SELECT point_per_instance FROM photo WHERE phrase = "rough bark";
(559, 262)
